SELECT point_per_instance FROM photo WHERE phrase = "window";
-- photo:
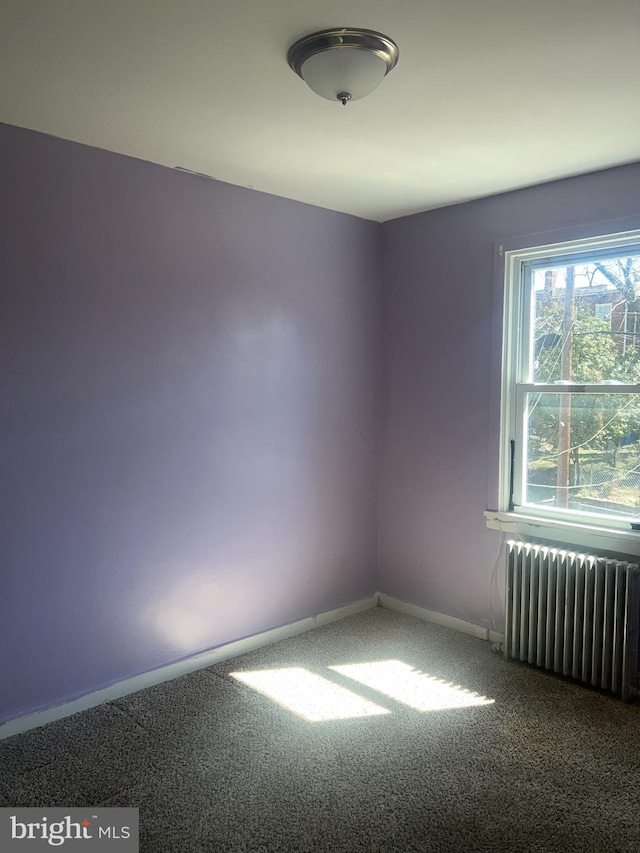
(603, 310)
(571, 382)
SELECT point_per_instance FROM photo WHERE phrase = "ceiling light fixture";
(343, 65)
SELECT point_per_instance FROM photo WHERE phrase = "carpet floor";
(420, 739)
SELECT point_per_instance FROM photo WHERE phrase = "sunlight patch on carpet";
(411, 687)
(308, 695)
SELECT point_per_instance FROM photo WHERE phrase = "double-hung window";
(571, 382)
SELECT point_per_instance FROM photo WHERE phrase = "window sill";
(567, 534)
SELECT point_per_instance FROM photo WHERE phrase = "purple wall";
(188, 429)
(441, 323)
(189, 419)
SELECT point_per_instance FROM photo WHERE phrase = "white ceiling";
(488, 95)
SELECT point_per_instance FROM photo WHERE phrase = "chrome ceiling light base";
(345, 64)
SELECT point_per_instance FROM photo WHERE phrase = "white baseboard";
(231, 650)
(182, 667)
(349, 610)
(439, 618)
(496, 637)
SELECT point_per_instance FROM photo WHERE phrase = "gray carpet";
(214, 765)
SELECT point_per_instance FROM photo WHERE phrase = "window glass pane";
(583, 453)
(586, 322)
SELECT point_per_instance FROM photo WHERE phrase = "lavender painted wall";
(189, 415)
(441, 324)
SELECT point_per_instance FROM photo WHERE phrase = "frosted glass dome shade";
(343, 64)
(342, 71)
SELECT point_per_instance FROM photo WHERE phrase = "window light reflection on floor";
(411, 687)
(308, 695)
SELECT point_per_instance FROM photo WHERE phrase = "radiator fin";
(573, 614)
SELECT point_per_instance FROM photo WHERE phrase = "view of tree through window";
(583, 446)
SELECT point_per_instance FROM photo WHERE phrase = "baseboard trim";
(174, 670)
(437, 618)
(348, 610)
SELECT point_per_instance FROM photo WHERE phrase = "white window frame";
(603, 315)
(518, 266)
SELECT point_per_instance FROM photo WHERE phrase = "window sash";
(562, 388)
(520, 467)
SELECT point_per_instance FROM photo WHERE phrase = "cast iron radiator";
(573, 614)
